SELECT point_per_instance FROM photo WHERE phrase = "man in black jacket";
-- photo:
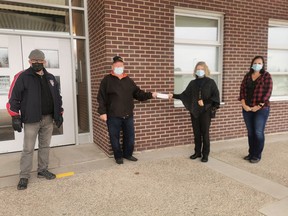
(116, 104)
(35, 100)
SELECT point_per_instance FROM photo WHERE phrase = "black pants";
(115, 125)
(201, 127)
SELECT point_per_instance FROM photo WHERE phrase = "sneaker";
(46, 174)
(22, 185)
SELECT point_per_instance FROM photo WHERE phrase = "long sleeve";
(242, 94)
(191, 95)
(101, 98)
(186, 97)
(15, 96)
(262, 90)
(177, 96)
(267, 88)
(58, 93)
(215, 97)
(139, 94)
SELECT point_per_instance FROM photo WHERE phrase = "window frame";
(276, 23)
(218, 43)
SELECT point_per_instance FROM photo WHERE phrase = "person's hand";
(247, 108)
(200, 103)
(17, 123)
(154, 94)
(170, 96)
(103, 117)
(59, 122)
(255, 108)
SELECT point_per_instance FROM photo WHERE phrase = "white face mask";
(118, 70)
(257, 67)
(200, 73)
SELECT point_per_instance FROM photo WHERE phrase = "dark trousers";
(255, 123)
(115, 126)
(201, 127)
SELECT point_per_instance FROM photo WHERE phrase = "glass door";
(10, 64)
(14, 54)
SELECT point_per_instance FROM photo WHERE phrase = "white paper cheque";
(162, 96)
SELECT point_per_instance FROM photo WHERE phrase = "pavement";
(162, 182)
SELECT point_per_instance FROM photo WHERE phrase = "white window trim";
(277, 23)
(219, 43)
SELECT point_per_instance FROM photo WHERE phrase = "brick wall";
(143, 33)
(98, 63)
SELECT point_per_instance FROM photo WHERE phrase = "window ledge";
(179, 104)
(279, 98)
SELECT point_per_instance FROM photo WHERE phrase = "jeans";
(255, 123)
(201, 127)
(115, 125)
(44, 130)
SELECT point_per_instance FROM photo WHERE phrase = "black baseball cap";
(117, 59)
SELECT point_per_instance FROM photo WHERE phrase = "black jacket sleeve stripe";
(13, 105)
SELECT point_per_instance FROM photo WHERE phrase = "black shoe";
(194, 156)
(254, 160)
(46, 174)
(119, 161)
(248, 157)
(131, 158)
(22, 185)
(204, 159)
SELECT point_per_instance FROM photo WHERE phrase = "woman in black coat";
(200, 98)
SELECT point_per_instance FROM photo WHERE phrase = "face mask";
(257, 67)
(118, 70)
(37, 66)
(200, 73)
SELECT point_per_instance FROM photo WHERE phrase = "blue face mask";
(118, 70)
(200, 73)
(257, 67)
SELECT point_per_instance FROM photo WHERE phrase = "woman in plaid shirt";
(256, 89)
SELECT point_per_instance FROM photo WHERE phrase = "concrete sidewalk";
(162, 182)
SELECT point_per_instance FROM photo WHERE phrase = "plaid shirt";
(262, 91)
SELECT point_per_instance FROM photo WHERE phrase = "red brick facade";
(143, 33)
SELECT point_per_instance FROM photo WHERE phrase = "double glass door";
(14, 52)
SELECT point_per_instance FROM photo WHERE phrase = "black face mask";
(37, 66)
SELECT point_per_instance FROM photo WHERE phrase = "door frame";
(53, 48)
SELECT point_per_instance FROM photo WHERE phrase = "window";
(23, 16)
(198, 37)
(277, 63)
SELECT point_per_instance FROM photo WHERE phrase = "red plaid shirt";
(262, 91)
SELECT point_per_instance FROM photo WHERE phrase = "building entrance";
(14, 52)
